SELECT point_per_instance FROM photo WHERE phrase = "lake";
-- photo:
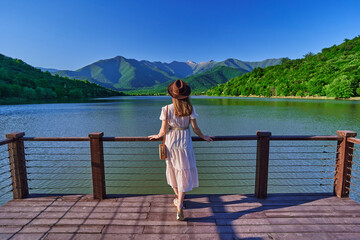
(224, 167)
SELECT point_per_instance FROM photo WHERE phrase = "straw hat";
(179, 89)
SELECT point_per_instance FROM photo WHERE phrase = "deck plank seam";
(58, 219)
(32, 219)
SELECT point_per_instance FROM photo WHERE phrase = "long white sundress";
(181, 169)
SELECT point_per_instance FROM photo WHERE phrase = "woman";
(181, 172)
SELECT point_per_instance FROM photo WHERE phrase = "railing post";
(97, 165)
(17, 165)
(343, 164)
(262, 163)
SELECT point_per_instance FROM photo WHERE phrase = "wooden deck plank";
(25, 236)
(318, 236)
(282, 216)
(94, 236)
(109, 215)
(312, 214)
(122, 222)
(314, 220)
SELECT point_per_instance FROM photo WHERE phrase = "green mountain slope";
(334, 72)
(20, 80)
(235, 63)
(199, 83)
(121, 74)
(130, 74)
(221, 74)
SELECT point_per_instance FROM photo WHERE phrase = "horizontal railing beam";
(6, 141)
(63, 139)
(305, 137)
(128, 139)
(144, 139)
(229, 138)
(216, 138)
(354, 140)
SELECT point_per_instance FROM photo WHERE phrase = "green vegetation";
(20, 81)
(217, 75)
(334, 72)
(199, 83)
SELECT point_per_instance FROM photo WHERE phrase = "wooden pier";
(279, 216)
(261, 215)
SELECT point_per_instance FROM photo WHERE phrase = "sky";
(70, 34)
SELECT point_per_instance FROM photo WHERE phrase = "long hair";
(182, 107)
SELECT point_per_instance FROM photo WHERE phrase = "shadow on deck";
(280, 216)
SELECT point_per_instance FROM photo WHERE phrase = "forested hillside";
(199, 83)
(334, 72)
(19, 80)
(221, 74)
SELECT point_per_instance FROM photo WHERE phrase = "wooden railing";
(342, 179)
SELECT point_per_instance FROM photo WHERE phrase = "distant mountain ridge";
(121, 73)
(199, 83)
(50, 70)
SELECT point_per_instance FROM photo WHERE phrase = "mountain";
(334, 72)
(234, 63)
(20, 81)
(121, 73)
(199, 83)
(50, 70)
(217, 75)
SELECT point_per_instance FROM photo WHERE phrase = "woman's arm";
(161, 132)
(198, 132)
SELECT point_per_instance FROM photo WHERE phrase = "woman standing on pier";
(181, 172)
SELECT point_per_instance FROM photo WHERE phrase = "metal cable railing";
(5, 175)
(58, 167)
(301, 166)
(353, 186)
(223, 167)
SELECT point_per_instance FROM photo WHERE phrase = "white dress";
(181, 169)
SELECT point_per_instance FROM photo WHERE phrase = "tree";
(309, 54)
(14, 90)
(339, 88)
(76, 93)
(29, 93)
(285, 60)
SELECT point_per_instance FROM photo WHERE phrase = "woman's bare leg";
(181, 197)
(176, 192)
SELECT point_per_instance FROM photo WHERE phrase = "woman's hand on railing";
(208, 138)
(154, 137)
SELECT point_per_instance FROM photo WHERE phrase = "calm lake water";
(224, 167)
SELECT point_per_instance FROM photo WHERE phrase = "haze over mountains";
(120, 73)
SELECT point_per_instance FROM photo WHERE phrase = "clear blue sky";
(69, 34)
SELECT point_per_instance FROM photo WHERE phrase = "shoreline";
(17, 101)
(291, 97)
(257, 96)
